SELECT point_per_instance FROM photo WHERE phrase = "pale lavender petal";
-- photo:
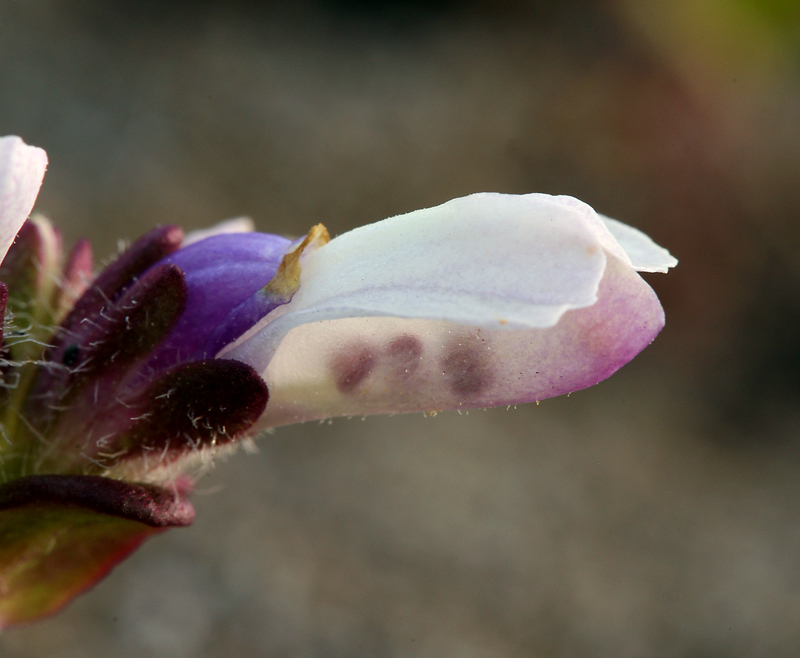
(644, 254)
(488, 260)
(235, 225)
(373, 365)
(22, 169)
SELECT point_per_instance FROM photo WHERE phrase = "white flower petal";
(644, 254)
(22, 169)
(486, 260)
(483, 301)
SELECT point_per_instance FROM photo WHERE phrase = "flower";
(118, 390)
(486, 300)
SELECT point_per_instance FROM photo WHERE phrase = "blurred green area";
(784, 15)
(655, 514)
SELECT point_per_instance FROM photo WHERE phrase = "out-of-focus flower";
(118, 390)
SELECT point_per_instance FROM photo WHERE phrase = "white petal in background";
(22, 169)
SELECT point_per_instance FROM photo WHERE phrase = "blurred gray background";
(657, 514)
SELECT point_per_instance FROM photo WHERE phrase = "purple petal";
(224, 276)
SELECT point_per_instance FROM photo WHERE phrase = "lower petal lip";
(362, 366)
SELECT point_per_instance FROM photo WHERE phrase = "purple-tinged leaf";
(191, 407)
(114, 279)
(62, 534)
(133, 326)
(32, 264)
(76, 278)
(82, 387)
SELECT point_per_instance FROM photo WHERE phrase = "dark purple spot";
(352, 365)
(403, 353)
(466, 366)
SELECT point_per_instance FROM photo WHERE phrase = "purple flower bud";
(225, 279)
